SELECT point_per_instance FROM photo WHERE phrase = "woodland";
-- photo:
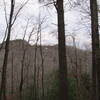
(64, 70)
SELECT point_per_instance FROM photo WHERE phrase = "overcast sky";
(73, 21)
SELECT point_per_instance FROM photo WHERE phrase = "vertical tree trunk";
(22, 64)
(35, 69)
(12, 75)
(22, 74)
(63, 92)
(77, 72)
(42, 61)
(95, 50)
(4, 69)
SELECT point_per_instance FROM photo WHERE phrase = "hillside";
(50, 54)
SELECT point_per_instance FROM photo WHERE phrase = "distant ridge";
(16, 43)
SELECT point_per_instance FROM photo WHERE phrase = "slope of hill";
(50, 55)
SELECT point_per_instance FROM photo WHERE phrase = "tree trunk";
(22, 74)
(63, 92)
(95, 50)
(4, 69)
(12, 75)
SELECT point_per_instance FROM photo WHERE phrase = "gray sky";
(73, 21)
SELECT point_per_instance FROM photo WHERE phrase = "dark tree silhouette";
(95, 50)
(63, 93)
(3, 81)
(63, 84)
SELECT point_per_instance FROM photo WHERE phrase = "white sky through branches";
(73, 23)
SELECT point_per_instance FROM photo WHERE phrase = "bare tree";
(22, 64)
(12, 19)
(35, 66)
(77, 69)
(24, 47)
(63, 84)
(3, 81)
(41, 54)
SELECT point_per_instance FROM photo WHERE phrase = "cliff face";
(50, 55)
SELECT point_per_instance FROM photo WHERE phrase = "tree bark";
(12, 75)
(95, 51)
(63, 92)
(4, 68)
